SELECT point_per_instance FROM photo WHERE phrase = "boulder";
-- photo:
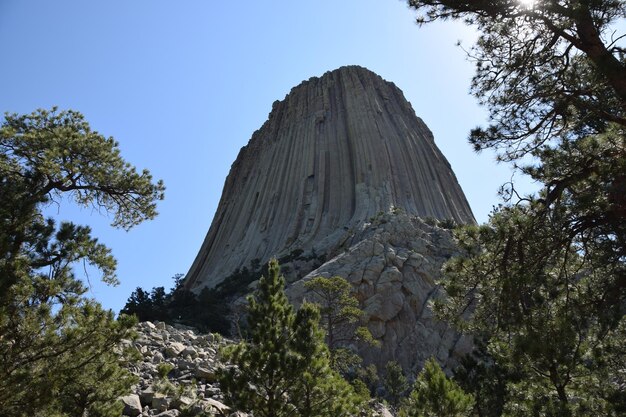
(217, 406)
(189, 351)
(132, 405)
(393, 267)
(174, 349)
(147, 394)
(205, 373)
(161, 402)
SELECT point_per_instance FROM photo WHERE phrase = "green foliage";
(283, 369)
(340, 316)
(447, 224)
(435, 395)
(551, 314)
(544, 282)
(63, 363)
(164, 368)
(207, 311)
(480, 375)
(49, 153)
(547, 71)
(368, 375)
(147, 306)
(59, 349)
(431, 221)
(237, 282)
(360, 388)
(395, 384)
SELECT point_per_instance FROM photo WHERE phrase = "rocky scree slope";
(177, 374)
(176, 371)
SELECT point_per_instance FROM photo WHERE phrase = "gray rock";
(217, 406)
(211, 391)
(190, 351)
(132, 405)
(205, 373)
(384, 412)
(168, 413)
(178, 337)
(174, 349)
(184, 364)
(160, 402)
(147, 395)
(156, 394)
(158, 357)
(392, 266)
(182, 402)
(336, 152)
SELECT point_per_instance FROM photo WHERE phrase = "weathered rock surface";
(392, 263)
(335, 152)
(132, 405)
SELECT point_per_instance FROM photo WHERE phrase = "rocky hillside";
(177, 374)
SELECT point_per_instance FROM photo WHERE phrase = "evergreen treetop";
(283, 368)
(57, 346)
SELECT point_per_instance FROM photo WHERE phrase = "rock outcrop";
(335, 152)
(392, 262)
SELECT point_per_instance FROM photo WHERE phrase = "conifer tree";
(283, 368)
(395, 382)
(57, 348)
(544, 282)
(340, 315)
(319, 391)
(435, 395)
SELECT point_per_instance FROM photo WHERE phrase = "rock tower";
(337, 151)
(344, 179)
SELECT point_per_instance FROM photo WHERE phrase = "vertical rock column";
(336, 151)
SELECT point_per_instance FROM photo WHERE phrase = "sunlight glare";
(527, 4)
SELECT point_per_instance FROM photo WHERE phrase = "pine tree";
(395, 382)
(319, 391)
(340, 315)
(58, 347)
(283, 368)
(544, 282)
(546, 310)
(435, 395)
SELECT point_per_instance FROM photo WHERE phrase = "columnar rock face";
(337, 151)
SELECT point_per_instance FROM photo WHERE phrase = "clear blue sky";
(183, 84)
